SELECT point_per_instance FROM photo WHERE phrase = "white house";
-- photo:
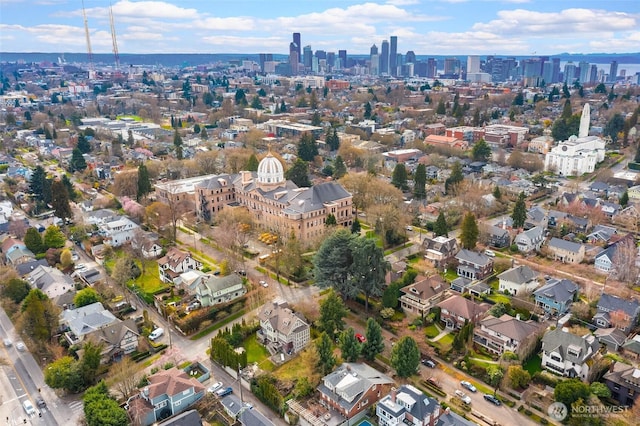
(118, 231)
(215, 290)
(566, 354)
(517, 280)
(281, 328)
(530, 239)
(50, 281)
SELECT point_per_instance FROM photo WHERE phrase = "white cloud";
(403, 2)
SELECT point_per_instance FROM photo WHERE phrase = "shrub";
(387, 313)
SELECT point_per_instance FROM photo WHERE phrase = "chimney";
(393, 395)
(518, 317)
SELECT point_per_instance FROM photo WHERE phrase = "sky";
(428, 27)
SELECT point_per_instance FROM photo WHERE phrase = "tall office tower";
(331, 59)
(294, 59)
(374, 61)
(497, 72)
(547, 72)
(432, 68)
(265, 57)
(296, 40)
(373, 50)
(569, 72)
(315, 64)
(508, 67)
(420, 68)
(393, 56)
(342, 54)
(584, 72)
(451, 67)
(593, 74)
(613, 71)
(384, 58)
(556, 70)
(307, 55)
(321, 54)
(473, 64)
(410, 58)
(531, 71)
(623, 74)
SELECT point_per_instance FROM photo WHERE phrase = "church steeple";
(584, 121)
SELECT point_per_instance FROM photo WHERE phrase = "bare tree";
(18, 228)
(233, 231)
(123, 377)
(624, 261)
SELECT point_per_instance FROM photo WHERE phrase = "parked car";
(463, 396)
(429, 363)
(21, 347)
(468, 386)
(224, 392)
(80, 267)
(264, 283)
(214, 387)
(490, 253)
(7, 343)
(360, 338)
(156, 334)
(492, 399)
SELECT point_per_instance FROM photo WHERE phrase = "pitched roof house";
(281, 328)
(613, 311)
(623, 381)
(497, 237)
(556, 296)
(605, 259)
(418, 298)
(518, 279)
(566, 354)
(502, 334)
(408, 405)
(439, 250)
(169, 392)
(117, 339)
(530, 240)
(50, 281)
(353, 387)
(457, 310)
(84, 320)
(214, 290)
(176, 262)
(566, 251)
(473, 265)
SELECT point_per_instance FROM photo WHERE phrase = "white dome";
(270, 170)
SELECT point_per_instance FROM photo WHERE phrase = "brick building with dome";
(278, 205)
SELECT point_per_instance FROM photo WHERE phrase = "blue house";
(556, 296)
(168, 393)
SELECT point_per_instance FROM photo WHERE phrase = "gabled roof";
(479, 259)
(561, 291)
(173, 258)
(565, 245)
(612, 335)
(461, 306)
(625, 375)
(86, 319)
(560, 341)
(409, 399)
(172, 382)
(511, 327)
(213, 284)
(610, 303)
(349, 382)
(533, 234)
(112, 334)
(186, 418)
(426, 287)
(521, 274)
(254, 418)
(281, 317)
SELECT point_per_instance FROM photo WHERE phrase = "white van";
(156, 334)
(490, 253)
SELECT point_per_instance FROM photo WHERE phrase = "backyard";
(257, 353)
(533, 364)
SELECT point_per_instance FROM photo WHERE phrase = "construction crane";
(113, 37)
(86, 33)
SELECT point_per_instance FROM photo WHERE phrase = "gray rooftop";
(561, 291)
(519, 275)
(565, 245)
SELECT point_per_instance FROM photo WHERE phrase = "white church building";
(579, 154)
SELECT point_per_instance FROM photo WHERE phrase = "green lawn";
(300, 366)
(257, 353)
(450, 275)
(499, 298)
(533, 364)
(445, 343)
(431, 331)
(150, 281)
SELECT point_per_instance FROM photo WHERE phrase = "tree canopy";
(299, 173)
(519, 214)
(307, 147)
(470, 232)
(405, 356)
(419, 182)
(399, 177)
(332, 314)
(77, 162)
(374, 344)
(481, 151)
(349, 345)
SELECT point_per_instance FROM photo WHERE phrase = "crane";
(113, 38)
(86, 33)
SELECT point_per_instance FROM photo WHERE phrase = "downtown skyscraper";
(384, 57)
(393, 56)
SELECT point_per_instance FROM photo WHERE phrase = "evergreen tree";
(624, 199)
(316, 120)
(240, 97)
(203, 134)
(441, 110)
(307, 147)
(283, 107)
(496, 193)
(144, 183)
(256, 103)
(77, 163)
(481, 151)
(60, 200)
(331, 220)
(399, 177)
(355, 226)
(339, 168)
(252, 163)
(299, 173)
(177, 143)
(419, 182)
(326, 360)
(38, 182)
(69, 186)
(367, 110)
(349, 345)
(83, 144)
(566, 110)
(332, 140)
(130, 140)
(519, 214)
(53, 238)
(332, 314)
(455, 178)
(405, 356)
(33, 241)
(374, 344)
(469, 233)
(476, 118)
(440, 228)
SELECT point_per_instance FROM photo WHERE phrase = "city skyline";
(446, 27)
